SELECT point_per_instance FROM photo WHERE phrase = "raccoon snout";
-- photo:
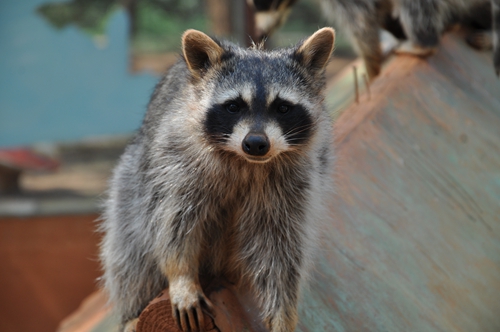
(256, 144)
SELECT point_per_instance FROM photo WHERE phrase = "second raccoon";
(421, 22)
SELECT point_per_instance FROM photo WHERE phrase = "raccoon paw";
(480, 40)
(188, 303)
(407, 47)
(131, 325)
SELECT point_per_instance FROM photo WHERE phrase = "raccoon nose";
(256, 144)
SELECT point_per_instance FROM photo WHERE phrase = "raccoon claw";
(188, 321)
(189, 313)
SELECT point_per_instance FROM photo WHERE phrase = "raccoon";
(228, 177)
(419, 22)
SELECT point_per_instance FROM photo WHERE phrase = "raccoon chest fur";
(266, 201)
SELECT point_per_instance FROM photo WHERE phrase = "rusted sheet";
(49, 264)
(414, 242)
(26, 159)
(13, 161)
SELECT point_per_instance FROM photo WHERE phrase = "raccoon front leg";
(186, 296)
(495, 6)
(280, 291)
(422, 21)
(179, 260)
(276, 268)
(363, 27)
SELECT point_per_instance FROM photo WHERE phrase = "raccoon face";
(259, 104)
(259, 124)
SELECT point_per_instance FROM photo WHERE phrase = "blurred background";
(75, 80)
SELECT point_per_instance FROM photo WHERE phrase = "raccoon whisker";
(291, 143)
(220, 136)
(291, 138)
(291, 133)
(298, 130)
(223, 134)
(303, 127)
(295, 146)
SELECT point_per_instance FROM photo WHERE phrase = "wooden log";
(230, 312)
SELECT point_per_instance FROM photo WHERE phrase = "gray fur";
(177, 196)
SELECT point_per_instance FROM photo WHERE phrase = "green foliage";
(305, 18)
(159, 24)
(89, 15)
(156, 24)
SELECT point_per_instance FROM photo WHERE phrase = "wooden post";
(232, 312)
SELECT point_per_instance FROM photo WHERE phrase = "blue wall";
(56, 85)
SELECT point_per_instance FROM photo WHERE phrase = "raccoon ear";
(200, 51)
(315, 51)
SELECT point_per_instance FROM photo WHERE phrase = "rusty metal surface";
(414, 242)
(49, 264)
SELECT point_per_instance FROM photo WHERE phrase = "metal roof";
(414, 242)
(414, 239)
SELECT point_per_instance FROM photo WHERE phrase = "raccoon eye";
(232, 108)
(283, 108)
